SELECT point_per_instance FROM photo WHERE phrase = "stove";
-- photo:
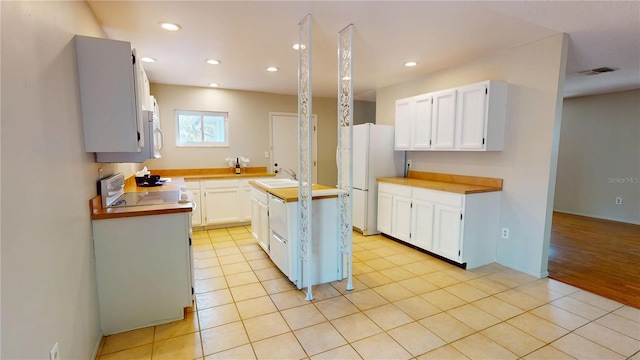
(113, 195)
(146, 198)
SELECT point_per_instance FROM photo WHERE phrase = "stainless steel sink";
(278, 183)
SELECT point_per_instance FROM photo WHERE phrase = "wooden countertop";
(291, 194)
(460, 184)
(99, 213)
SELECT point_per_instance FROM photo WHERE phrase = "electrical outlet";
(53, 354)
(505, 233)
(408, 163)
(618, 201)
(266, 154)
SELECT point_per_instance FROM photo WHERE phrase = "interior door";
(284, 144)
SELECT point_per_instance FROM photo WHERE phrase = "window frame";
(202, 113)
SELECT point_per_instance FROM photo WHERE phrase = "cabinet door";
(222, 205)
(471, 116)
(422, 224)
(245, 199)
(263, 231)
(446, 230)
(401, 218)
(107, 78)
(255, 219)
(444, 120)
(404, 114)
(421, 134)
(196, 215)
(385, 208)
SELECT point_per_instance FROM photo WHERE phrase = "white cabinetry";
(196, 215)
(461, 228)
(113, 93)
(480, 116)
(221, 202)
(139, 261)
(467, 118)
(260, 218)
(413, 123)
(444, 116)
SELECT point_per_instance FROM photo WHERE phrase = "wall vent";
(597, 71)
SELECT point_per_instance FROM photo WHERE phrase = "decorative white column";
(305, 129)
(345, 152)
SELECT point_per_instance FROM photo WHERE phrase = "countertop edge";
(452, 187)
(284, 193)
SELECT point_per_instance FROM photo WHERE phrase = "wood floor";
(596, 255)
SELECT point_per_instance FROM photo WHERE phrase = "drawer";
(439, 197)
(278, 216)
(259, 195)
(394, 189)
(192, 185)
(216, 184)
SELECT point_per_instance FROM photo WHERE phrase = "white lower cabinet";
(139, 261)
(260, 218)
(196, 215)
(221, 201)
(461, 228)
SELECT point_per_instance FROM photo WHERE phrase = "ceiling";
(248, 36)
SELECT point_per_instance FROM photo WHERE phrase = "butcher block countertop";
(99, 213)
(460, 184)
(291, 194)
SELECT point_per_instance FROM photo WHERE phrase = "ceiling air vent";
(597, 71)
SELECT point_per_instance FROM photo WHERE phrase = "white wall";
(599, 157)
(535, 73)
(248, 126)
(48, 279)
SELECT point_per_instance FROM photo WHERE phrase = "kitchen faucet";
(290, 172)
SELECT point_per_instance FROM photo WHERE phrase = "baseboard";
(96, 349)
(597, 216)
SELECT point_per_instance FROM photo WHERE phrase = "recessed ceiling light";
(410, 63)
(299, 46)
(213, 61)
(272, 69)
(170, 26)
(214, 85)
(148, 59)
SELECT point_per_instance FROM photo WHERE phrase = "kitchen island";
(278, 235)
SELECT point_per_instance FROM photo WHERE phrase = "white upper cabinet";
(404, 115)
(444, 116)
(413, 123)
(113, 92)
(480, 117)
(467, 118)
(421, 129)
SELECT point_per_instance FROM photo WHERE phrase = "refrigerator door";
(361, 156)
(360, 209)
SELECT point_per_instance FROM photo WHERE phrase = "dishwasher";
(279, 234)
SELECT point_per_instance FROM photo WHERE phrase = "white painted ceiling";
(248, 36)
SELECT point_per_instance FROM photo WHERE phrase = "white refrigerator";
(373, 157)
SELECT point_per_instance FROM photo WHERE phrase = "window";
(201, 128)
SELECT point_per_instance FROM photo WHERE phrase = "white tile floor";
(405, 305)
